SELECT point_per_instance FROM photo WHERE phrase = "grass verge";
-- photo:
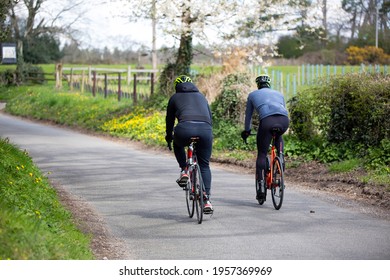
(33, 223)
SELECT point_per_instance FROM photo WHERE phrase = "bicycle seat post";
(190, 153)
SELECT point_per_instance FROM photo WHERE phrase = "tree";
(43, 49)
(32, 20)
(363, 18)
(4, 26)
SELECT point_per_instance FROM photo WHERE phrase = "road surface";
(135, 193)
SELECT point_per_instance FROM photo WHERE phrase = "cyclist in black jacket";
(192, 111)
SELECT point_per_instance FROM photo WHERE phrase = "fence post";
(299, 74)
(128, 75)
(82, 81)
(105, 85)
(295, 84)
(152, 83)
(135, 90)
(93, 83)
(71, 79)
(59, 76)
(119, 87)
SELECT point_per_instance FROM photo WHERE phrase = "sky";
(102, 26)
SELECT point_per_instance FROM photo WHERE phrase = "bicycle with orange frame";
(273, 177)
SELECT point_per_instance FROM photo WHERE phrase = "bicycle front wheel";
(277, 185)
(189, 190)
(199, 188)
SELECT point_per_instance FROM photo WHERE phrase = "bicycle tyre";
(199, 188)
(189, 192)
(277, 186)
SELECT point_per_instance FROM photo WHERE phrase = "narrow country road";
(135, 193)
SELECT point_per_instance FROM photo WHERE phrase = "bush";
(230, 104)
(33, 74)
(367, 55)
(8, 78)
(347, 109)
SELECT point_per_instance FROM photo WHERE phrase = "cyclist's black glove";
(245, 134)
(169, 138)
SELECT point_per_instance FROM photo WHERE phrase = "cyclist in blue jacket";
(191, 109)
(271, 108)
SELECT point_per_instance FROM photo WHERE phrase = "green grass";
(33, 223)
(345, 166)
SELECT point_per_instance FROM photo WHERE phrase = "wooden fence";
(124, 83)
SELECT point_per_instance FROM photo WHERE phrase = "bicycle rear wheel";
(199, 188)
(189, 190)
(277, 186)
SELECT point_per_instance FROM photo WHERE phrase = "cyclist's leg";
(281, 122)
(264, 138)
(180, 141)
(204, 150)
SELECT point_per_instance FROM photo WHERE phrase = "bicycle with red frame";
(195, 189)
(273, 177)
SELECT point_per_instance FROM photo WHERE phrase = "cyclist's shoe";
(183, 179)
(261, 195)
(208, 207)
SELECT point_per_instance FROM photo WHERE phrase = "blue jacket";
(266, 102)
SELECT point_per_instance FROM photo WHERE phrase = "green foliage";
(345, 166)
(33, 224)
(73, 109)
(167, 77)
(8, 78)
(33, 74)
(42, 49)
(378, 157)
(227, 136)
(289, 47)
(230, 104)
(351, 108)
(301, 117)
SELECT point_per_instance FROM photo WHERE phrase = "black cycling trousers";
(264, 138)
(182, 137)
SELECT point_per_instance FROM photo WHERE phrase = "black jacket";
(187, 104)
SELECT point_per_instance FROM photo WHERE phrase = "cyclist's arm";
(170, 118)
(248, 114)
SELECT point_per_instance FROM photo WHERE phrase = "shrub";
(352, 108)
(368, 54)
(230, 104)
(8, 78)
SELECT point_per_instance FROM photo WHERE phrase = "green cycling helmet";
(263, 80)
(182, 79)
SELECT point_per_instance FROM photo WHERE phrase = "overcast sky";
(101, 26)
